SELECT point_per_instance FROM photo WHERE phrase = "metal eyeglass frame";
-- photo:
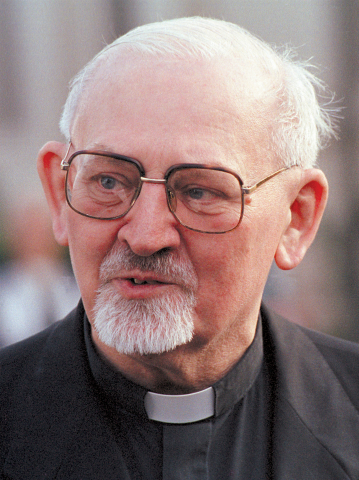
(245, 190)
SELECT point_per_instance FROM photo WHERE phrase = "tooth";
(141, 282)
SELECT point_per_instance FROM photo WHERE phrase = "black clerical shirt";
(233, 444)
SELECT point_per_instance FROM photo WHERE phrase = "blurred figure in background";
(36, 286)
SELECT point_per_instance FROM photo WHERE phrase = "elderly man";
(188, 168)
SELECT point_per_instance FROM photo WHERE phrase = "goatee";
(146, 326)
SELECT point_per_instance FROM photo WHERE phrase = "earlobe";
(53, 182)
(303, 219)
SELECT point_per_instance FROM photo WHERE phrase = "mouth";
(137, 281)
(140, 286)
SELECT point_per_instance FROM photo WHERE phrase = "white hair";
(301, 127)
(151, 325)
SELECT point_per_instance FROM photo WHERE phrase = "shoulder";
(315, 387)
(290, 334)
(41, 352)
(46, 390)
(285, 328)
(312, 354)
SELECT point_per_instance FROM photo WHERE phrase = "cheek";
(232, 272)
(222, 269)
(89, 242)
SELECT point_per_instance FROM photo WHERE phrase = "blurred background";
(43, 43)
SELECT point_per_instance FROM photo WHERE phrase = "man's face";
(172, 112)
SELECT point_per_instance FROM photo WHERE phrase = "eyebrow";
(101, 148)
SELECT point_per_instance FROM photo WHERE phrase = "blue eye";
(108, 183)
(195, 193)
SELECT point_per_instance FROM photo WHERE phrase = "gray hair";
(301, 127)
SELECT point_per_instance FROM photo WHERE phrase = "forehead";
(165, 103)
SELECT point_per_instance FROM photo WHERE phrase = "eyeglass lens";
(202, 199)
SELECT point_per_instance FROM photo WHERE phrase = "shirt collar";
(122, 394)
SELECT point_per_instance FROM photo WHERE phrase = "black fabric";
(301, 412)
(238, 431)
(124, 394)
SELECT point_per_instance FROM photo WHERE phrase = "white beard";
(145, 326)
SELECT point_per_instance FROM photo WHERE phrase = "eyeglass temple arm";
(249, 190)
(65, 165)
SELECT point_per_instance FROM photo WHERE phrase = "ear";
(53, 182)
(304, 217)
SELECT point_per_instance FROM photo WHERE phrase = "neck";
(189, 368)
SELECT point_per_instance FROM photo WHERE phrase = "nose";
(150, 226)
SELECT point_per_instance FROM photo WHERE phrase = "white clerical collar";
(189, 408)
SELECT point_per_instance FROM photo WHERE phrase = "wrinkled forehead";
(250, 79)
(242, 71)
(239, 88)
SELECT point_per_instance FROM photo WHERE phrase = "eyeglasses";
(205, 199)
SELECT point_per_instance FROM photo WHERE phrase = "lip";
(148, 285)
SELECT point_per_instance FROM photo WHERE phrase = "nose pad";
(172, 200)
(135, 196)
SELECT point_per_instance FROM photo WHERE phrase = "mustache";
(165, 263)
